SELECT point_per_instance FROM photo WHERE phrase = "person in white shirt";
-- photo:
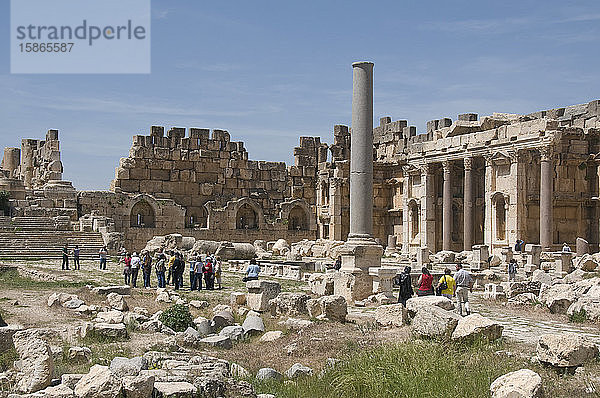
(135, 267)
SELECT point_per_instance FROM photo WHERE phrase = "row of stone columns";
(546, 192)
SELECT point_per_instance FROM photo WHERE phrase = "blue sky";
(271, 71)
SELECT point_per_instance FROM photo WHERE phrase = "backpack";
(441, 287)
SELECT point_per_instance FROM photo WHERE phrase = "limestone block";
(522, 383)
(391, 315)
(475, 326)
(565, 349)
(260, 292)
(37, 365)
(431, 322)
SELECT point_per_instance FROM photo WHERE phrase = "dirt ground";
(25, 302)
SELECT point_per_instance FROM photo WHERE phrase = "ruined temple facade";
(490, 181)
(465, 182)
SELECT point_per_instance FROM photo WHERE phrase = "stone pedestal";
(506, 254)
(533, 254)
(582, 247)
(353, 281)
(480, 257)
(383, 280)
(494, 292)
(423, 257)
(564, 262)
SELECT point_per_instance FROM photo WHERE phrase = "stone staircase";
(27, 224)
(36, 238)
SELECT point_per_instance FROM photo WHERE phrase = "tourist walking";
(566, 248)
(127, 268)
(65, 258)
(252, 271)
(217, 269)
(161, 268)
(76, 264)
(103, 253)
(425, 283)
(464, 284)
(406, 289)
(446, 285)
(147, 269)
(208, 275)
(198, 268)
(512, 269)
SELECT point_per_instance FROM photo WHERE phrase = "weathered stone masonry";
(465, 182)
(533, 177)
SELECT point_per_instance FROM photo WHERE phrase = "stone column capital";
(446, 166)
(546, 153)
(426, 168)
(468, 163)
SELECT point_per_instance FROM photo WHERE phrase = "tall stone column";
(361, 152)
(546, 188)
(360, 252)
(406, 219)
(447, 207)
(468, 204)
(428, 200)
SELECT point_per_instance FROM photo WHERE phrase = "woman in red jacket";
(425, 283)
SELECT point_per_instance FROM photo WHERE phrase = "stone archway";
(196, 218)
(246, 218)
(142, 215)
(297, 219)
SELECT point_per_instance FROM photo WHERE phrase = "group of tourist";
(457, 286)
(169, 267)
(65, 257)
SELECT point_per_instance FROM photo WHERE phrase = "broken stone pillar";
(480, 257)
(423, 257)
(546, 182)
(533, 254)
(582, 247)
(11, 161)
(391, 242)
(391, 246)
(360, 251)
(507, 254)
(494, 292)
(447, 207)
(383, 280)
(468, 206)
(564, 263)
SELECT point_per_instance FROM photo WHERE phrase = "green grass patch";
(578, 316)
(12, 279)
(7, 359)
(409, 369)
